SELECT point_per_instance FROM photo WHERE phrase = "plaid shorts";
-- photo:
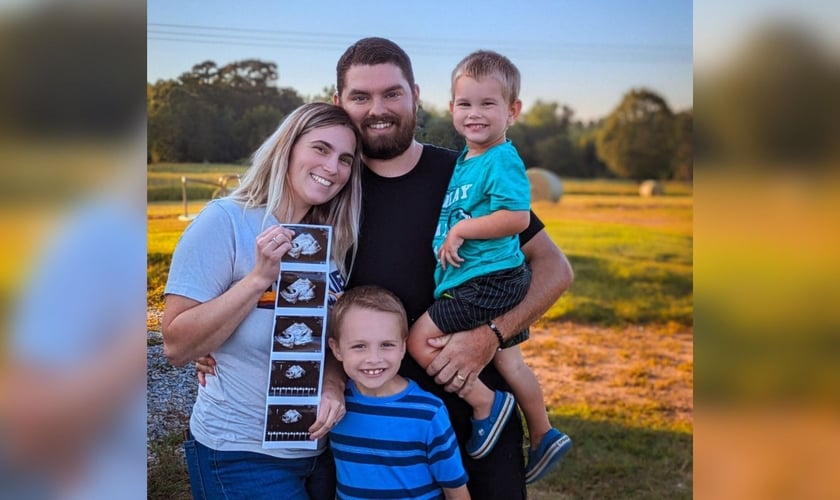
(475, 302)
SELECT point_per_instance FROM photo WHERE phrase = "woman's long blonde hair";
(265, 184)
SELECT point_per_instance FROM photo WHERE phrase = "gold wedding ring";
(275, 241)
(460, 377)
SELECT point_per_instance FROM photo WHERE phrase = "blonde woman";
(307, 172)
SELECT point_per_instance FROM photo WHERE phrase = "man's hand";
(461, 358)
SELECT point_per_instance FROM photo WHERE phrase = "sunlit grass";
(164, 225)
(632, 256)
(613, 461)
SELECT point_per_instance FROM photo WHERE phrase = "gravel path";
(170, 393)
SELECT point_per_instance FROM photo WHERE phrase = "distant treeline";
(221, 115)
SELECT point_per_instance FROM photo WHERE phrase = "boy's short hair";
(372, 298)
(486, 63)
(370, 52)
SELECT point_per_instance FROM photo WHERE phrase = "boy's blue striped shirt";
(401, 446)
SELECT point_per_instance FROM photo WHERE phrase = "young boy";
(481, 271)
(396, 440)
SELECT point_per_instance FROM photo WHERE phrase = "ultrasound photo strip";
(296, 363)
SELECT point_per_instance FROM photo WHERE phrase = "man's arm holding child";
(551, 275)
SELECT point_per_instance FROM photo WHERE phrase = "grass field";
(614, 355)
(632, 256)
(163, 181)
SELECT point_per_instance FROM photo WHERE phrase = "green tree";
(519, 135)
(683, 159)
(256, 125)
(217, 114)
(171, 113)
(557, 154)
(436, 128)
(541, 135)
(584, 136)
(590, 165)
(637, 140)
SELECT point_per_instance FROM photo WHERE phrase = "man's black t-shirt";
(399, 216)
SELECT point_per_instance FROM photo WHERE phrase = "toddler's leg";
(422, 330)
(527, 390)
(548, 445)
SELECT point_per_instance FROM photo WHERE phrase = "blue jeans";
(246, 475)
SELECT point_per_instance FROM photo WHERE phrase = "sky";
(586, 55)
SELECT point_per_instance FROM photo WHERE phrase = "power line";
(310, 40)
(436, 41)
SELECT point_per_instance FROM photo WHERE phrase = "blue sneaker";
(486, 432)
(553, 446)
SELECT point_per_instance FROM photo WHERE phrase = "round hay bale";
(651, 187)
(545, 185)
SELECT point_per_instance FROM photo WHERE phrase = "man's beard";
(387, 147)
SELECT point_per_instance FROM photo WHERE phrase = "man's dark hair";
(372, 51)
